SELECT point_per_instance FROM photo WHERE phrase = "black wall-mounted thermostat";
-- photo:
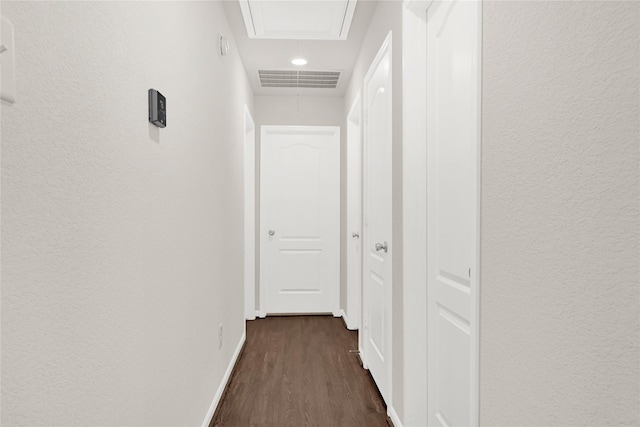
(157, 108)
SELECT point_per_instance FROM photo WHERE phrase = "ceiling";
(276, 54)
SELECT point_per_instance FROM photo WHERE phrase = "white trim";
(356, 108)
(395, 419)
(249, 204)
(414, 210)
(261, 314)
(223, 382)
(337, 288)
(350, 325)
(475, 384)
(417, 6)
(348, 19)
(354, 290)
(246, 15)
(363, 356)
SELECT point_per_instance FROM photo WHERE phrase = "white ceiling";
(323, 55)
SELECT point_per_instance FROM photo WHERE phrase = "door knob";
(272, 232)
(355, 235)
(382, 247)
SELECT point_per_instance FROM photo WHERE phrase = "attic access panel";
(299, 19)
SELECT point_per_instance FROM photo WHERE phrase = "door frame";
(385, 48)
(414, 215)
(335, 289)
(414, 210)
(249, 215)
(353, 315)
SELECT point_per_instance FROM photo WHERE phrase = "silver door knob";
(355, 235)
(382, 247)
(272, 232)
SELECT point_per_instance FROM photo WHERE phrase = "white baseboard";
(223, 382)
(350, 325)
(395, 419)
(261, 314)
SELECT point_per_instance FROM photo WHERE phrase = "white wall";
(299, 111)
(302, 110)
(387, 16)
(560, 325)
(121, 243)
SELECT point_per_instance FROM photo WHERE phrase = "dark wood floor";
(298, 371)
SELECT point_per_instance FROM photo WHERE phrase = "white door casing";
(249, 216)
(299, 219)
(414, 212)
(453, 143)
(377, 233)
(354, 215)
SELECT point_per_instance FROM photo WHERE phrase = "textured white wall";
(295, 111)
(560, 325)
(387, 16)
(121, 243)
(303, 110)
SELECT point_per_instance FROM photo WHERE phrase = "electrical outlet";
(220, 336)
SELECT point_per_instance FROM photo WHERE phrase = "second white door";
(299, 219)
(377, 340)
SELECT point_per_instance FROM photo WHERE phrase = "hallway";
(300, 371)
(450, 188)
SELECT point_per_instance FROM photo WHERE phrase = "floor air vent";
(299, 78)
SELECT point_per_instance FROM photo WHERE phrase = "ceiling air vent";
(299, 78)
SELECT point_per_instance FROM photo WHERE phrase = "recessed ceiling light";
(299, 61)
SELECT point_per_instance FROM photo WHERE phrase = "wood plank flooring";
(298, 371)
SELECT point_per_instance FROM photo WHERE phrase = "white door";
(377, 220)
(249, 216)
(354, 215)
(299, 219)
(453, 47)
